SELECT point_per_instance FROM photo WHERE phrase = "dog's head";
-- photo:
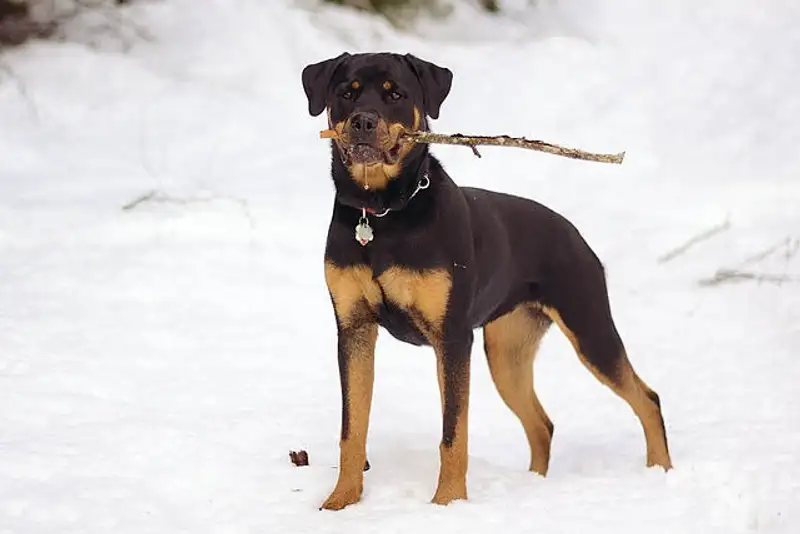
(371, 99)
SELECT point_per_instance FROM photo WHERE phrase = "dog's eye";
(355, 85)
(394, 95)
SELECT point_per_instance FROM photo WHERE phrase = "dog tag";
(364, 232)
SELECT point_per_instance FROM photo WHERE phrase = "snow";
(158, 363)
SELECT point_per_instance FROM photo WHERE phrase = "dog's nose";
(364, 122)
(363, 127)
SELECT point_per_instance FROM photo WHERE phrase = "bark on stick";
(501, 140)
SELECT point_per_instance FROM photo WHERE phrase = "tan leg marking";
(353, 448)
(355, 296)
(628, 386)
(511, 342)
(453, 457)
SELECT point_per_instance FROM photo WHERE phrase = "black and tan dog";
(430, 261)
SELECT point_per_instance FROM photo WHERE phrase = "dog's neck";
(397, 194)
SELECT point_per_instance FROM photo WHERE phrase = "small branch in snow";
(138, 200)
(711, 232)
(155, 196)
(732, 275)
(473, 141)
(790, 246)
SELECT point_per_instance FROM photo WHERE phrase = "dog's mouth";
(386, 146)
(368, 154)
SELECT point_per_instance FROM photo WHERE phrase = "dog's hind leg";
(511, 342)
(580, 307)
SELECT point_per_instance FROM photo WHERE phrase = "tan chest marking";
(423, 294)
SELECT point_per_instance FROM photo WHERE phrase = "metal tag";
(364, 232)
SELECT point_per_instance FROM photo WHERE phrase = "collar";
(424, 183)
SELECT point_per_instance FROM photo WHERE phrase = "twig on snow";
(791, 246)
(473, 141)
(725, 275)
(139, 200)
(155, 196)
(703, 236)
(732, 275)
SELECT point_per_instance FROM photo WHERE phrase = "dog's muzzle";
(369, 140)
(363, 132)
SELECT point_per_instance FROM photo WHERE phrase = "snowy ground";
(158, 363)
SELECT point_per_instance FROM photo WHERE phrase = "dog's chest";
(400, 324)
(413, 303)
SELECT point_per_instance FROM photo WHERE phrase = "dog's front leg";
(356, 347)
(453, 359)
(355, 298)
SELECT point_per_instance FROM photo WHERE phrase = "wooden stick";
(500, 140)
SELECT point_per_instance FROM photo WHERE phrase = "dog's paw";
(342, 497)
(663, 463)
(446, 496)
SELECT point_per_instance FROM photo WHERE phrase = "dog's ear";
(316, 78)
(436, 82)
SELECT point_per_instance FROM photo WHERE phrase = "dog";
(430, 261)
